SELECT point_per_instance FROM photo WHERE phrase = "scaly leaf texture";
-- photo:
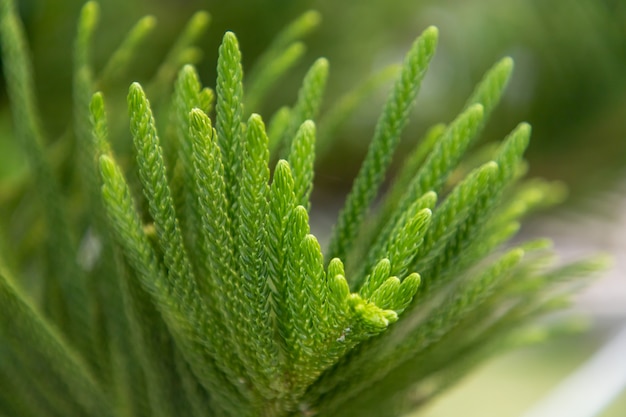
(282, 202)
(230, 283)
(467, 198)
(308, 103)
(317, 338)
(441, 161)
(403, 241)
(370, 242)
(230, 287)
(479, 237)
(252, 208)
(302, 159)
(138, 250)
(487, 93)
(222, 304)
(229, 115)
(386, 137)
(461, 254)
(187, 97)
(470, 201)
(490, 89)
(443, 320)
(71, 311)
(154, 180)
(466, 192)
(298, 336)
(111, 264)
(409, 169)
(99, 125)
(82, 92)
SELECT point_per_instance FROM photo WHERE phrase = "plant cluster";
(197, 288)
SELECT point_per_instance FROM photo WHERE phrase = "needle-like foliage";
(190, 283)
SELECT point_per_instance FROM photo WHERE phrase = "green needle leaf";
(386, 137)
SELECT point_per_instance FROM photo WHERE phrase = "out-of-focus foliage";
(570, 84)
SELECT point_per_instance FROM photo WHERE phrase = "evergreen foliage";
(196, 287)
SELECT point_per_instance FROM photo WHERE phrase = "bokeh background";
(569, 83)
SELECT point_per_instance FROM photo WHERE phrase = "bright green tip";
(97, 102)
(282, 166)
(135, 88)
(230, 38)
(415, 279)
(199, 120)
(107, 166)
(490, 166)
(476, 110)
(308, 126)
(321, 64)
(431, 31)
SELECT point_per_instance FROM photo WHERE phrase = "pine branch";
(252, 206)
(229, 119)
(301, 158)
(386, 137)
(282, 201)
(154, 181)
(489, 90)
(443, 158)
(410, 167)
(308, 103)
(137, 249)
(212, 298)
(187, 97)
(228, 287)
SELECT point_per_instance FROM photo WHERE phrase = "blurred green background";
(569, 83)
